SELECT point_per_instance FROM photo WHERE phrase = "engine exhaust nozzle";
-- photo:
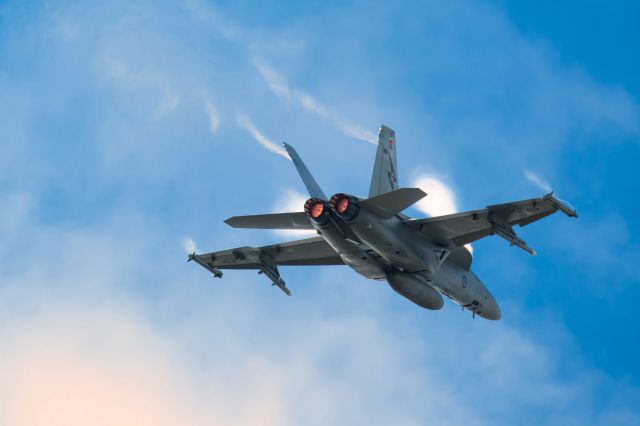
(317, 210)
(346, 206)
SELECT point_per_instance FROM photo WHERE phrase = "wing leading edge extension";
(458, 229)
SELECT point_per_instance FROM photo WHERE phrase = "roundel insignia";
(464, 281)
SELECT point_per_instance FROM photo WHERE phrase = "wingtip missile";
(217, 273)
(560, 205)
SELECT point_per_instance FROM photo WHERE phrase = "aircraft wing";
(463, 228)
(310, 251)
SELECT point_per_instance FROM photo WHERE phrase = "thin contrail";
(537, 181)
(245, 122)
(281, 89)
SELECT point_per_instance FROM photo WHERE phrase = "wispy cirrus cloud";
(290, 200)
(212, 115)
(166, 97)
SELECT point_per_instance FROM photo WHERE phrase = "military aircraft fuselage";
(387, 249)
(399, 245)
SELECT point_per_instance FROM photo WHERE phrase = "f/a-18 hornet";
(421, 259)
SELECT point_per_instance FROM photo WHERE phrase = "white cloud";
(57, 371)
(98, 354)
(140, 81)
(440, 199)
(537, 181)
(290, 200)
(281, 89)
(266, 143)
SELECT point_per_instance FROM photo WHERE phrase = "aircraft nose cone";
(491, 310)
(493, 313)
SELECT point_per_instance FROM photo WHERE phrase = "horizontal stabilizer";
(271, 221)
(391, 203)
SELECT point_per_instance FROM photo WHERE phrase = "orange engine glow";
(342, 205)
(316, 210)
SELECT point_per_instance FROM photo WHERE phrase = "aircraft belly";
(449, 280)
(353, 255)
(399, 245)
(464, 288)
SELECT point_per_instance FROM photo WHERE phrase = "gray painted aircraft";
(421, 259)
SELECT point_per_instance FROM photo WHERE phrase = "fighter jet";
(421, 259)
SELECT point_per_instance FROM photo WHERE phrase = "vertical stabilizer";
(309, 181)
(385, 172)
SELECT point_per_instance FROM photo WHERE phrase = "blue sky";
(129, 128)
